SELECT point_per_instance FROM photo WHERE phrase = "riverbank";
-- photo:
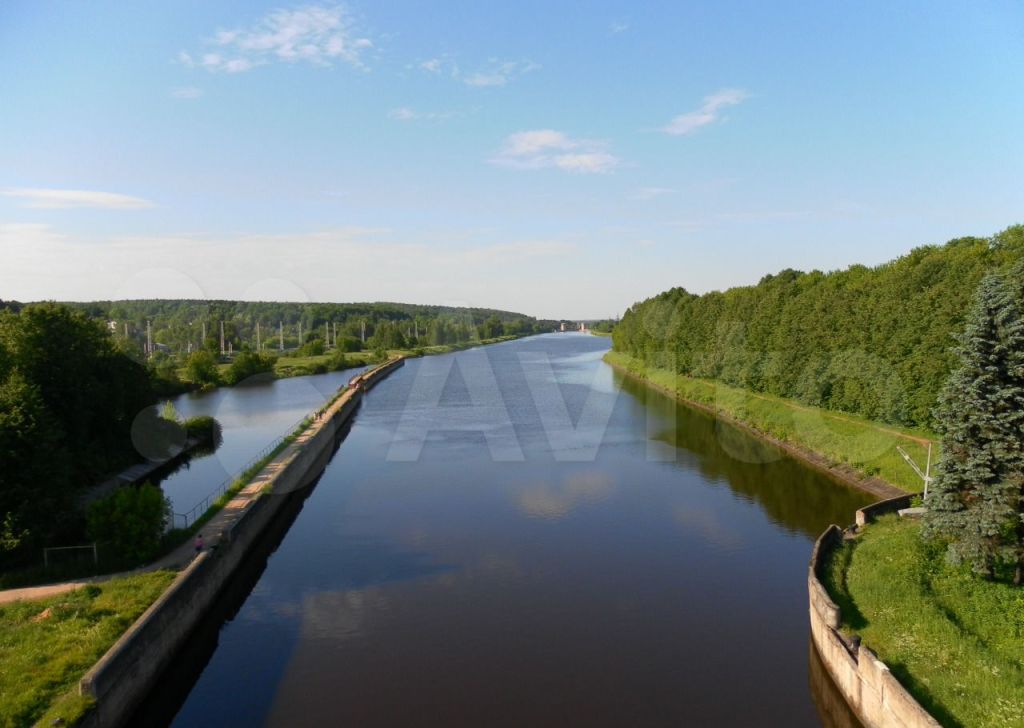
(952, 639)
(113, 686)
(286, 365)
(859, 452)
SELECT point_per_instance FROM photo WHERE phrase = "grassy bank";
(868, 447)
(953, 640)
(46, 646)
(301, 366)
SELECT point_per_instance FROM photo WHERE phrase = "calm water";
(251, 417)
(657, 581)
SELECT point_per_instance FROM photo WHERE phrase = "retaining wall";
(130, 668)
(870, 689)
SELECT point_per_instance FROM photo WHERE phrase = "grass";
(954, 640)
(42, 658)
(868, 447)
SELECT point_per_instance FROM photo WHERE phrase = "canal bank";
(846, 473)
(865, 682)
(129, 670)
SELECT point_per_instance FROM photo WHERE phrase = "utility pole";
(335, 327)
(327, 335)
(362, 331)
(416, 325)
(280, 335)
(300, 332)
(125, 329)
(149, 337)
(203, 342)
(222, 351)
(258, 346)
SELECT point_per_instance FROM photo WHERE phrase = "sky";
(560, 159)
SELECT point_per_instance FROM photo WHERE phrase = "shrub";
(249, 364)
(201, 368)
(204, 428)
(130, 520)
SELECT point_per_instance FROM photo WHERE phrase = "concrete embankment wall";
(130, 668)
(870, 689)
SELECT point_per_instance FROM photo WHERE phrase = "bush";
(338, 361)
(205, 429)
(130, 520)
(201, 368)
(249, 364)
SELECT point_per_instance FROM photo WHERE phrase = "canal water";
(252, 416)
(516, 536)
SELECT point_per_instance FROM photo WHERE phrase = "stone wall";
(870, 689)
(131, 667)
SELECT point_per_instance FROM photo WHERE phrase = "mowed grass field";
(46, 646)
(869, 447)
(954, 640)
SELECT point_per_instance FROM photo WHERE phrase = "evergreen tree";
(976, 502)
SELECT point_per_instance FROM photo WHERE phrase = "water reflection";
(251, 417)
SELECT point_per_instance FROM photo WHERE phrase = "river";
(516, 536)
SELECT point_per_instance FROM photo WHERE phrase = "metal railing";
(184, 520)
(188, 518)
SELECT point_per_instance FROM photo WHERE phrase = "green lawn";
(46, 646)
(955, 641)
(868, 446)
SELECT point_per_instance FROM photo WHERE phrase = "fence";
(88, 546)
(184, 520)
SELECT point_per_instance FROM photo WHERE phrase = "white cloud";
(404, 113)
(433, 65)
(315, 34)
(51, 199)
(186, 92)
(547, 148)
(499, 73)
(617, 27)
(496, 72)
(708, 113)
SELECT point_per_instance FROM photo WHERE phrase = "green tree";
(201, 368)
(977, 501)
(131, 520)
(249, 364)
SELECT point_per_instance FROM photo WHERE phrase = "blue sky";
(560, 159)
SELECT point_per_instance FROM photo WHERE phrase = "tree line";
(877, 342)
(178, 326)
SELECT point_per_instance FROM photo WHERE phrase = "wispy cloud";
(186, 92)
(496, 72)
(547, 148)
(708, 113)
(315, 34)
(499, 73)
(51, 199)
(404, 113)
(617, 27)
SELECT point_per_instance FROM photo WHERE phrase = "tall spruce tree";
(978, 494)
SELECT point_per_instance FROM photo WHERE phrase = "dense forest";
(871, 341)
(68, 398)
(178, 326)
